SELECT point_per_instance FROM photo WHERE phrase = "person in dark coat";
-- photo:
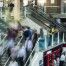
(62, 59)
(27, 33)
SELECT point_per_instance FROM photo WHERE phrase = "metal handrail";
(42, 51)
(9, 57)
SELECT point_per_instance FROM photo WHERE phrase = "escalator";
(41, 18)
(37, 18)
(7, 61)
(5, 57)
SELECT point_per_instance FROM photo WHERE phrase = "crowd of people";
(20, 53)
(60, 61)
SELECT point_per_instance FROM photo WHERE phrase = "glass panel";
(61, 36)
(55, 38)
(41, 44)
(49, 38)
(53, 10)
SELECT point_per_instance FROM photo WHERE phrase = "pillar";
(63, 38)
(58, 38)
(16, 10)
(62, 6)
(52, 39)
(45, 42)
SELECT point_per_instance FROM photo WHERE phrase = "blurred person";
(10, 45)
(14, 52)
(58, 61)
(21, 57)
(12, 33)
(62, 59)
(13, 63)
(29, 46)
(55, 62)
(27, 34)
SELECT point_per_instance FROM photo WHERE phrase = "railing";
(6, 63)
(52, 45)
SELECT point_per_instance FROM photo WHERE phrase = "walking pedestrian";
(62, 59)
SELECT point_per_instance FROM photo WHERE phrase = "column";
(25, 3)
(63, 38)
(45, 36)
(45, 41)
(62, 6)
(58, 39)
(52, 39)
(16, 10)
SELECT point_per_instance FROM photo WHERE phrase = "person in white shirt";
(58, 61)
(14, 52)
(55, 62)
(29, 46)
(62, 59)
(21, 56)
(13, 63)
(10, 44)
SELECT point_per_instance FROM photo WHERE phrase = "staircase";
(6, 59)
